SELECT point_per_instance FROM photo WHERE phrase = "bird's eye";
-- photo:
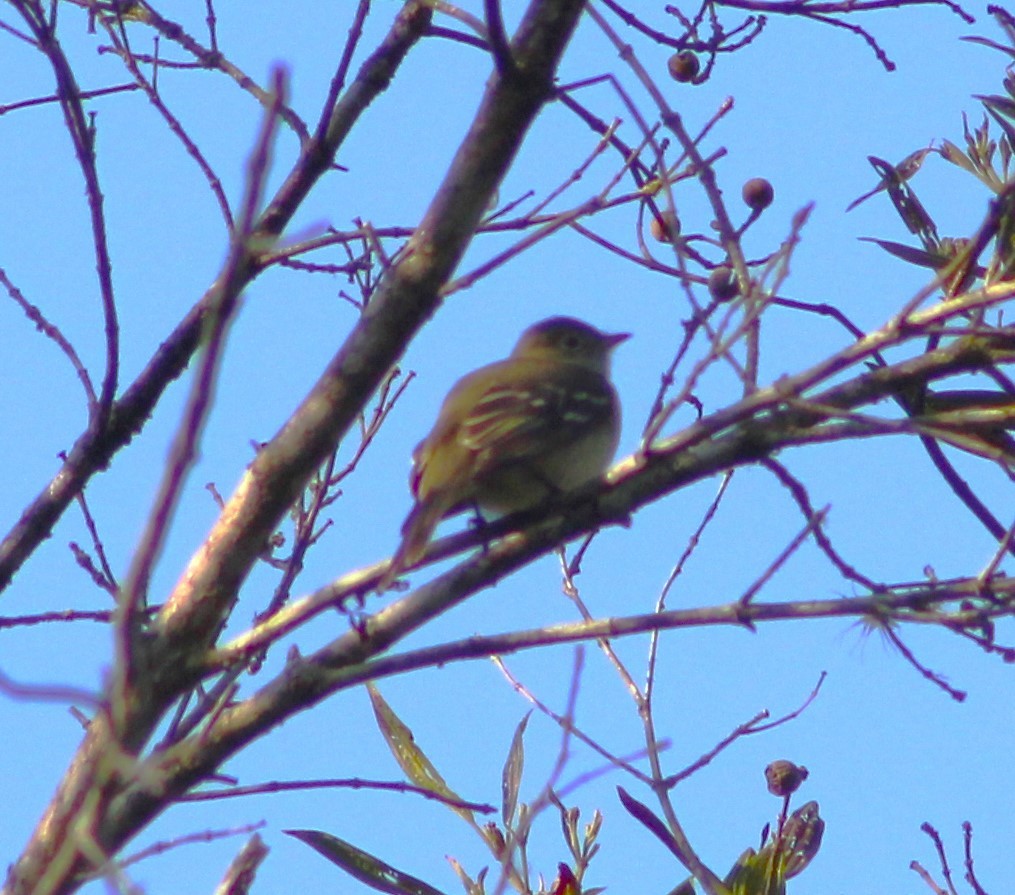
(571, 342)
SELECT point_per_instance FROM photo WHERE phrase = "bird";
(516, 433)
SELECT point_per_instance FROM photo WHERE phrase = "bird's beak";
(614, 339)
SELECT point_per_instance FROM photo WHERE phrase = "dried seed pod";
(784, 777)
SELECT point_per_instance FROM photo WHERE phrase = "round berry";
(758, 193)
(722, 284)
(665, 226)
(683, 66)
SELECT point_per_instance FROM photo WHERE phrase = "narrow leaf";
(365, 867)
(950, 152)
(1004, 122)
(472, 887)
(909, 208)
(511, 777)
(411, 759)
(896, 173)
(1002, 104)
(645, 815)
(906, 253)
(986, 42)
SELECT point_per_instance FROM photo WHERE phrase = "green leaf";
(753, 874)
(511, 777)
(365, 867)
(765, 872)
(801, 838)
(412, 760)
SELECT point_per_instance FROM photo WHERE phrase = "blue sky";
(886, 750)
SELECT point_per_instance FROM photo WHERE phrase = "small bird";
(516, 433)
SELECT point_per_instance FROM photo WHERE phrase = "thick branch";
(758, 426)
(208, 588)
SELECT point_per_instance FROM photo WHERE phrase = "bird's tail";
(417, 530)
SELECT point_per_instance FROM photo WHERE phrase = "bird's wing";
(533, 416)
